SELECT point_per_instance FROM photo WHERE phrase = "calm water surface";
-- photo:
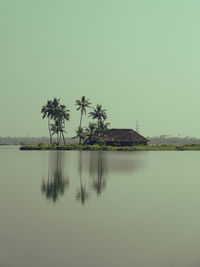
(99, 209)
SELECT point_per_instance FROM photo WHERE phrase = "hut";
(124, 137)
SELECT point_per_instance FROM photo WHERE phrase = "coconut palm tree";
(99, 114)
(50, 111)
(47, 111)
(82, 105)
(80, 133)
(103, 127)
(55, 107)
(62, 115)
(56, 128)
(91, 132)
(53, 110)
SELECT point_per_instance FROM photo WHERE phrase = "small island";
(97, 135)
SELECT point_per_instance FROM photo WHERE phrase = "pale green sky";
(140, 59)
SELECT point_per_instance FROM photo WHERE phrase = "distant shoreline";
(112, 148)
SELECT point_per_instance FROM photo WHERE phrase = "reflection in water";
(124, 162)
(97, 168)
(149, 216)
(56, 182)
(82, 194)
(91, 167)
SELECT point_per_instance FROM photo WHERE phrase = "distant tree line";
(8, 140)
(173, 140)
(57, 115)
(163, 139)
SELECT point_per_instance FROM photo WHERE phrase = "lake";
(99, 209)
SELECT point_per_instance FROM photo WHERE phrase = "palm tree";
(53, 110)
(55, 107)
(47, 111)
(82, 105)
(90, 132)
(80, 133)
(56, 128)
(62, 114)
(99, 114)
(103, 127)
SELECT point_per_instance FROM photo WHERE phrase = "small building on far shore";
(124, 137)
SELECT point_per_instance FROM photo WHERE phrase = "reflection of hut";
(124, 137)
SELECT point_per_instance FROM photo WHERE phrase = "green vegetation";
(111, 148)
(100, 115)
(82, 105)
(58, 114)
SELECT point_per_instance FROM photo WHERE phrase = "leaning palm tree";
(47, 111)
(62, 115)
(53, 110)
(82, 105)
(56, 128)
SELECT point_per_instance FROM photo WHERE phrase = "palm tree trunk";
(59, 138)
(80, 126)
(81, 118)
(63, 138)
(50, 131)
(98, 129)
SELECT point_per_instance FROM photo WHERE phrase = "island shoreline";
(195, 147)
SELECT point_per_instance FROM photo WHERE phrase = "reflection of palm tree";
(97, 170)
(82, 194)
(56, 183)
(54, 187)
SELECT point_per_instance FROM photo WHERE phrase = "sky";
(140, 59)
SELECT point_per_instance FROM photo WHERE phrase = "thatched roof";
(124, 135)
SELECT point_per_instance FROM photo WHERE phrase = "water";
(92, 209)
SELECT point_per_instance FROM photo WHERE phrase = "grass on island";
(112, 148)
